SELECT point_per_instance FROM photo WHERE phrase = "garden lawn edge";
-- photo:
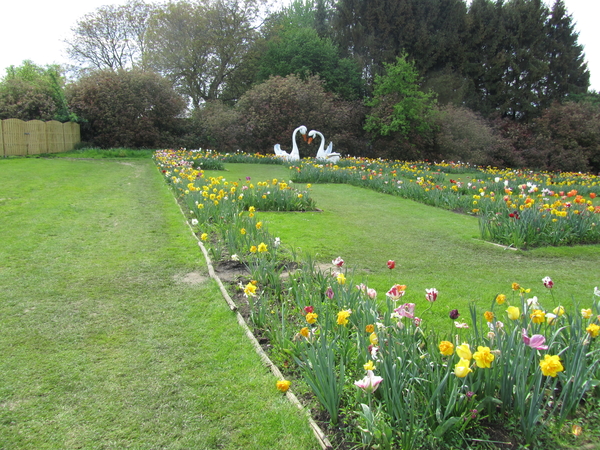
(318, 432)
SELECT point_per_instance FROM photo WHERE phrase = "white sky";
(36, 29)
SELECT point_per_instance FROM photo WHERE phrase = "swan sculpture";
(324, 154)
(294, 155)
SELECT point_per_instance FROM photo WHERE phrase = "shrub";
(463, 135)
(569, 137)
(127, 108)
(21, 100)
(270, 111)
(217, 127)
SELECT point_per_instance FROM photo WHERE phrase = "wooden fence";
(18, 138)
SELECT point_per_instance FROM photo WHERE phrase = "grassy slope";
(432, 248)
(103, 345)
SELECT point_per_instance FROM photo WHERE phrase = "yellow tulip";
(462, 369)
(464, 351)
(513, 312)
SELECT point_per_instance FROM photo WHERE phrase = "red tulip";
(391, 264)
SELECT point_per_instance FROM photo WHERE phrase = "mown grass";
(431, 247)
(111, 333)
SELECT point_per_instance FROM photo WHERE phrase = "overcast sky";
(36, 29)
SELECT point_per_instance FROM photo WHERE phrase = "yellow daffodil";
(538, 316)
(586, 313)
(262, 247)
(253, 249)
(370, 328)
(369, 366)
(283, 385)
(311, 317)
(250, 290)
(551, 365)
(342, 317)
(489, 316)
(305, 332)
(204, 236)
(593, 330)
(446, 348)
(500, 299)
(483, 357)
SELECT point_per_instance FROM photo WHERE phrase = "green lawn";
(111, 333)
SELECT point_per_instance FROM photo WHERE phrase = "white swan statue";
(294, 155)
(324, 154)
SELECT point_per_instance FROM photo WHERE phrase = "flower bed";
(382, 375)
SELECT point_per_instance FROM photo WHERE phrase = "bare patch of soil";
(191, 278)
(231, 271)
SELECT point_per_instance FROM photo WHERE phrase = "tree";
(112, 37)
(464, 135)
(302, 52)
(398, 105)
(521, 57)
(199, 46)
(31, 92)
(129, 108)
(429, 32)
(567, 138)
(567, 70)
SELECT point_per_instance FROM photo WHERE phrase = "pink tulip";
(406, 310)
(536, 341)
(369, 383)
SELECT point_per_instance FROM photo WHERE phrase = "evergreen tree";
(430, 32)
(567, 74)
(521, 57)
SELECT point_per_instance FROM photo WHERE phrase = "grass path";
(111, 334)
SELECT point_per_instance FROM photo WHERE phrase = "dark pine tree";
(568, 74)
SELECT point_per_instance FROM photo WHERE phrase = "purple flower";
(536, 341)
(454, 314)
(329, 293)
